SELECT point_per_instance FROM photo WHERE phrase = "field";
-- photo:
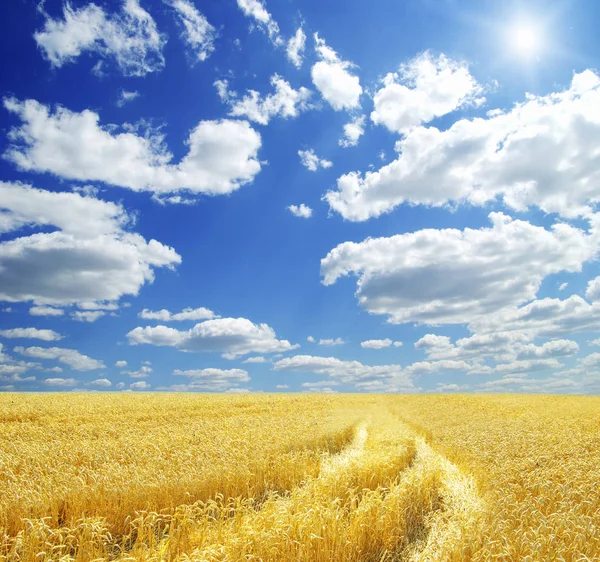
(299, 477)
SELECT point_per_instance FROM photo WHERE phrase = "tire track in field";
(448, 527)
(331, 465)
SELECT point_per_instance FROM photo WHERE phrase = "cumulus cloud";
(453, 276)
(554, 348)
(257, 359)
(331, 76)
(423, 89)
(478, 345)
(11, 369)
(60, 382)
(285, 101)
(101, 383)
(31, 333)
(87, 315)
(139, 385)
(256, 10)
(221, 157)
(593, 289)
(143, 372)
(45, 311)
(71, 357)
(197, 33)
(130, 37)
(431, 367)
(376, 344)
(441, 387)
(231, 336)
(301, 211)
(541, 154)
(330, 341)
(90, 257)
(354, 372)
(186, 314)
(217, 380)
(545, 318)
(311, 161)
(121, 364)
(295, 47)
(353, 131)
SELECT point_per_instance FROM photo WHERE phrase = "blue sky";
(276, 196)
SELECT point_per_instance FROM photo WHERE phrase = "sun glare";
(525, 39)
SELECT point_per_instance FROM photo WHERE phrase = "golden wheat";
(298, 478)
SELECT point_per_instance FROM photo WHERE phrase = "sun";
(525, 39)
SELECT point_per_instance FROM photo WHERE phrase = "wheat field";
(299, 477)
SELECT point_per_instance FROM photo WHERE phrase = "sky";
(277, 196)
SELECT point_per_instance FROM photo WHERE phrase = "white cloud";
(353, 131)
(101, 383)
(125, 97)
(139, 385)
(311, 161)
(71, 357)
(376, 344)
(527, 366)
(285, 101)
(197, 32)
(120, 386)
(301, 211)
(256, 10)
(131, 37)
(353, 372)
(501, 345)
(295, 47)
(11, 369)
(555, 348)
(545, 318)
(282, 386)
(563, 286)
(31, 333)
(330, 341)
(539, 154)
(430, 367)
(91, 257)
(186, 314)
(593, 289)
(331, 77)
(87, 315)
(458, 276)
(60, 382)
(143, 372)
(221, 157)
(121, 364)
(231, 336)
(213, 379)
(320, 384)
(451, 387)
(398, 344)
(257, 359)
(45, 311)
(310, 339)
(423, 89)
